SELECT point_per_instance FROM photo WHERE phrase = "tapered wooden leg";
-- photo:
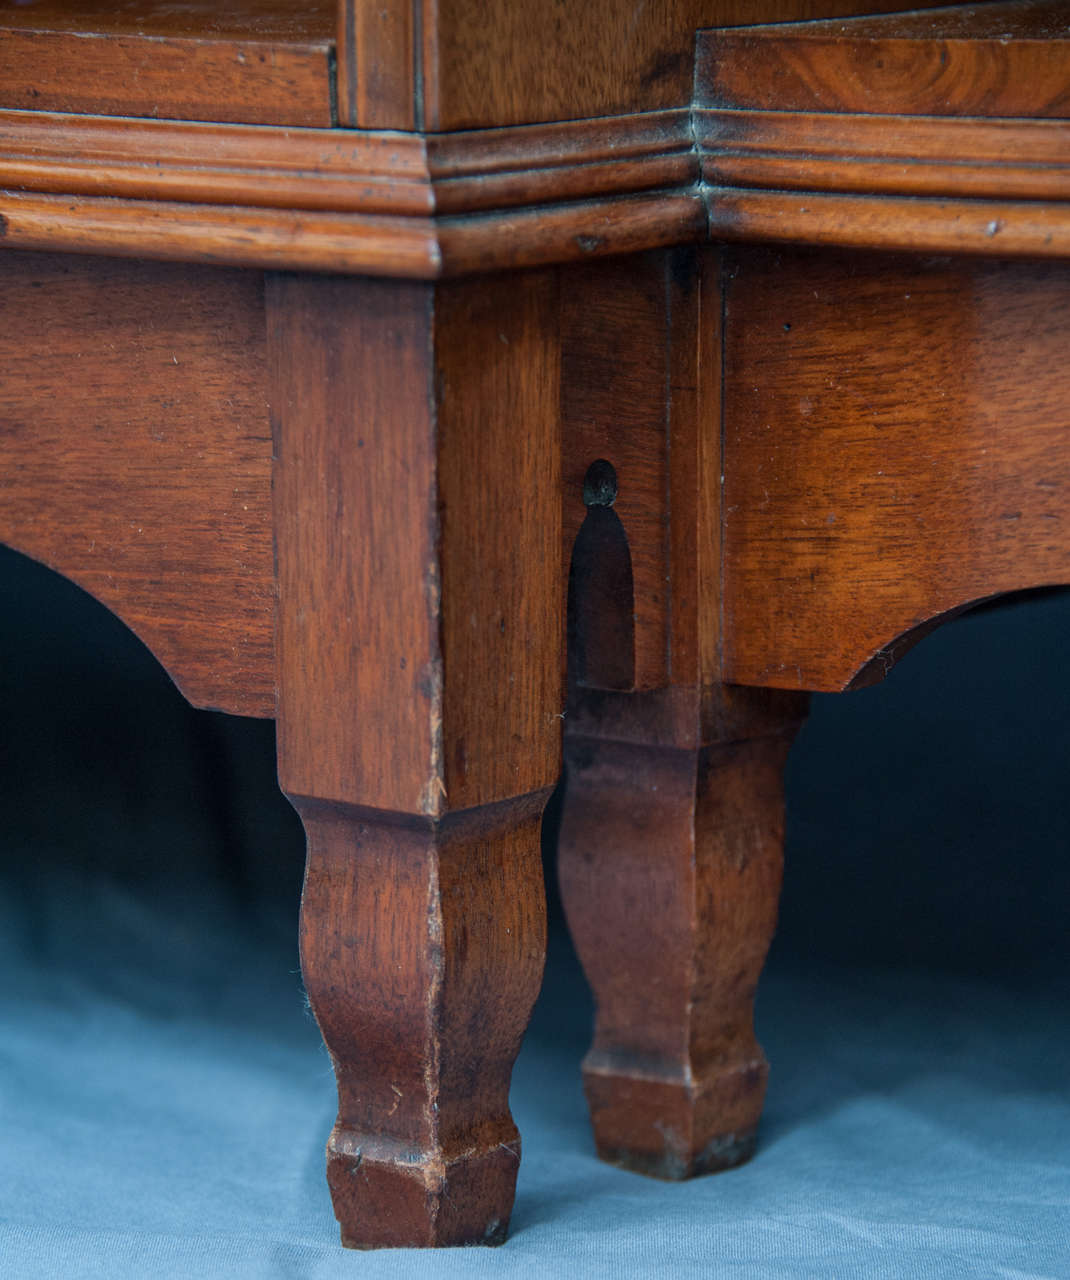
(670, 866)
(420, 629)
(422, 948)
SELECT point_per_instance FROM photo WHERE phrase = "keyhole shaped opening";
(601, 591)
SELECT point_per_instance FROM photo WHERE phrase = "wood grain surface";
(357, 542)
(641, 351)
(993, 228)
(257, 61)
(802, 127)
(328, 200)
(979, 60)
(485, 169)
(368, 244)
(345, 170)
(135, 456)
(613, 407)
(815, 457)
(420, 631)
(225, 164)
(422, 949)
(486, 199)
(399, 64)
(670, 863)
(497, 389)
(165, 19)
(895, 155)
(670, 843)
(377, 64)
(418, 469)
(896, 448)
(503, 63)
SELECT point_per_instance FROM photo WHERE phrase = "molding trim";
(949, 157)
(275, 239)
(254, 166)
(903, 224)
(381, 203)
(431, 205)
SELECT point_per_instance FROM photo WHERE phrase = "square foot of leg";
(675, 1129)
(389, 1196)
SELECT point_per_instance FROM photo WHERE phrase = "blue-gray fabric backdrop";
(164, 1096)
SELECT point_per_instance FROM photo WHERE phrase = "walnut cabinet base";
(441, 388)
(325, 521)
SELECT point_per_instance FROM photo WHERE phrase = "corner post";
(670, 844)
(419, 633)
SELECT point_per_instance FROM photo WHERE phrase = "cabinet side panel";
(896, 448)
(496, 62)
(135, 456)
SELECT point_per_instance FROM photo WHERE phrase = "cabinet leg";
(670, 868)
(422, 948)
(419, 634)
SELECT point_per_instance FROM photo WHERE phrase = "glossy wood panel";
(896, 447)
(135, 456)
(164, 19)
(257, 61)
(176, 79)
(970, 60)
(379, 203)
(400, 64)
(507, 63)
(377, 69)
(390, 203)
